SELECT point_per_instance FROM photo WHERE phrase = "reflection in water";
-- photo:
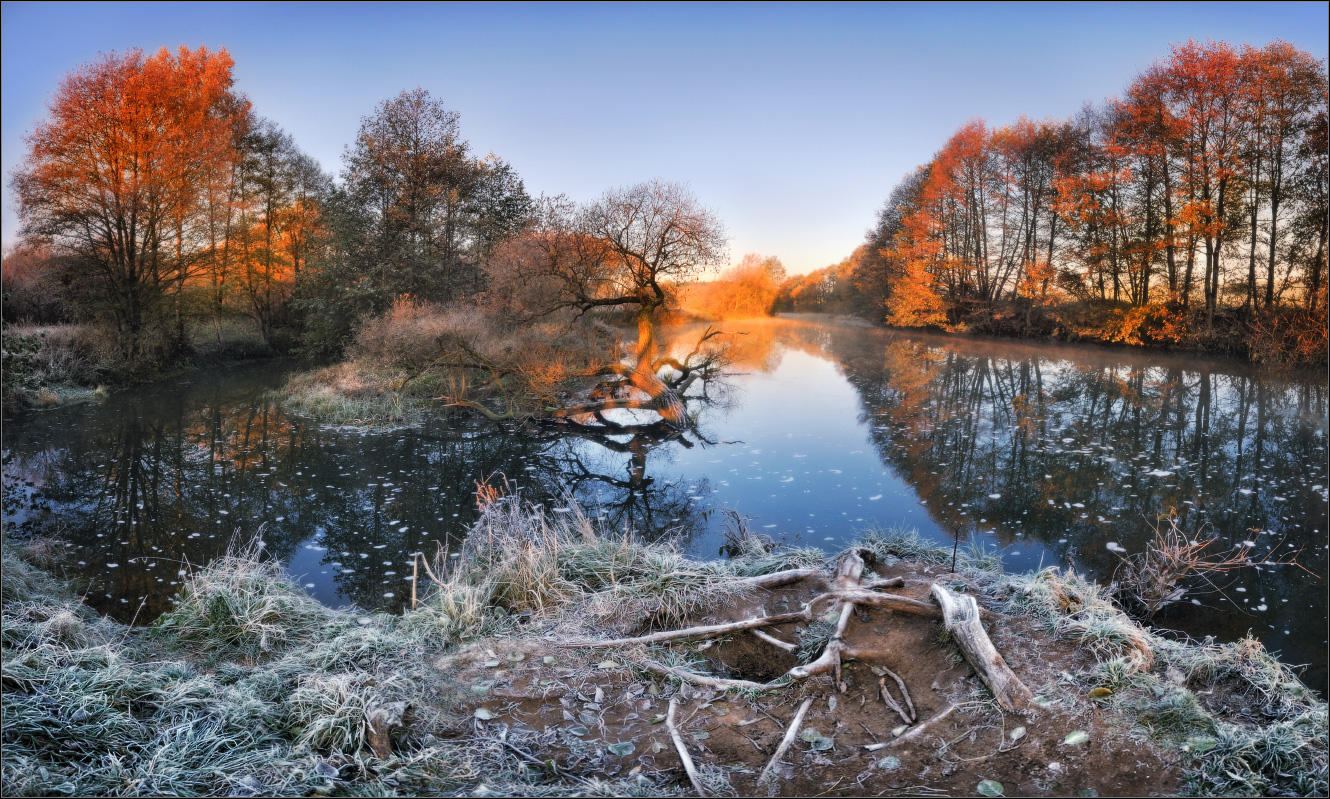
(1057, 454)
(154, 481)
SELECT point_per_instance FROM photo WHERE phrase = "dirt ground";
(590, 713)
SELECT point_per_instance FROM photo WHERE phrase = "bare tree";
(627, 251)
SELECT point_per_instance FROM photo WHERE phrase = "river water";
(1055, 455)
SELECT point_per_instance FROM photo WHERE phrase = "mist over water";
(1058, 455)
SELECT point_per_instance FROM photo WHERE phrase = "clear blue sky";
(792, 121)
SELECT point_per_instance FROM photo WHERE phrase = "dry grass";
(422, 355)
(1156, 686)
(1172, 565)
(249, 687)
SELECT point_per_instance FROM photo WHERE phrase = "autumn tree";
(274, 223)
(1311, 189)
(747, 289)
(434, 208)
(116, 177)
(1283, 92)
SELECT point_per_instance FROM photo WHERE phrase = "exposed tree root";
(790, 733)
(710, 682)
(774, 641)
(777, 579)
(961, 616)
(688, 766)
(704, 631)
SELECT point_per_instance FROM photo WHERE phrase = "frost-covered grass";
(1270, 740)
(892, 544)
(250, 687)
(526, 561)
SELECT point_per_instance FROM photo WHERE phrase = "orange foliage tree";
(747, 289)
(1140, 202)
(116, 176)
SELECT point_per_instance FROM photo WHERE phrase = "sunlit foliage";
(1191, 206)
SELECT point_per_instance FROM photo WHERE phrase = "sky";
(792, 122)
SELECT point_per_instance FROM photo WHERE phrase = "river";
(1056, 455)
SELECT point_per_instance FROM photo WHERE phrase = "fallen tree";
(625, 254)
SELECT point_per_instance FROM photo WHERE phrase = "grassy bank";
(250, 687)
(67, 363)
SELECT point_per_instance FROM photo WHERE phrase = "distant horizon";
(792, 122)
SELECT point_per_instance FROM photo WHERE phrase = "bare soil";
(573, 710)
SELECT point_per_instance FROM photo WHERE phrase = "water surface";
(1057, 455)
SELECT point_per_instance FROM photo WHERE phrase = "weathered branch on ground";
(910, 735)
(790, 733)
(890, 702)
(688, 766)
(904, 693)
(960, 614)
(704, 679)
(777, 579)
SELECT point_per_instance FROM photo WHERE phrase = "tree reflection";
(157, 482)
(1082, 455)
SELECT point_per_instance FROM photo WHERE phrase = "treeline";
(1192, 210)
(154, 199)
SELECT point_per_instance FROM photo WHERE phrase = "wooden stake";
(415, 570)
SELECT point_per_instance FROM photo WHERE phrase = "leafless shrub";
(1173, 564)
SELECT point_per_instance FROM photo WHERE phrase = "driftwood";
(960, 614)
(777, 579)
(785, 742)
(688, 766)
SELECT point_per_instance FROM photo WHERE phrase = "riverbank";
(1290, 338)
(496, 683)
(57, 365)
